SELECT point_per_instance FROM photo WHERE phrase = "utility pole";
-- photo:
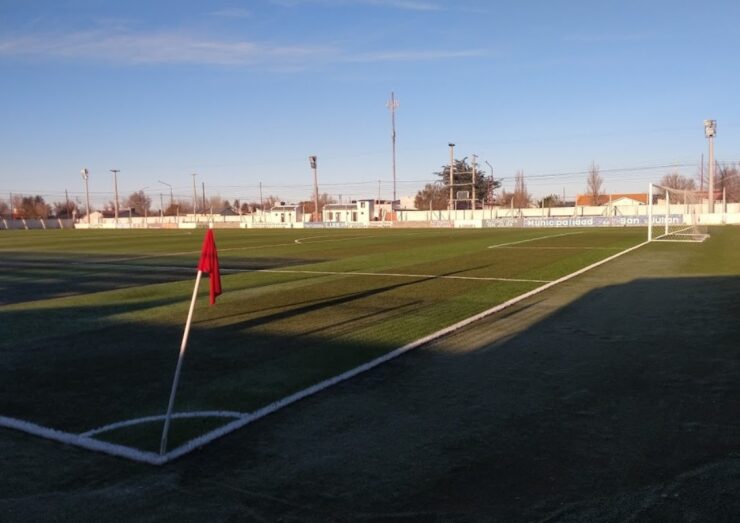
(85, 175)
(161, 206)
(490, 196)
(195, 195)
(452, 174)
(312, 160)
(393, 105)
(115, 190)
(262, 205)
(710, 131)
(203, 193)
(475, 157)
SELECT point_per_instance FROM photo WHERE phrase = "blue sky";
(243, 92)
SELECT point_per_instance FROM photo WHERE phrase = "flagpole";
(170, 406)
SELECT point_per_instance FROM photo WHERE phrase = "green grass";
(92, 320)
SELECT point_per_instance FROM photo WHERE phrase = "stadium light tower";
(85, 175)
(452, 173)
(710, 131)
(115, 190)
(312, 161)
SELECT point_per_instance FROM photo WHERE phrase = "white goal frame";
(689, 203)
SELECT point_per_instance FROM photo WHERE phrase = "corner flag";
(209, 263)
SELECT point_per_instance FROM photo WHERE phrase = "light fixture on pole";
(115, 190)
(452, 174)
(168, 185)
(85, 175)
(710, 131)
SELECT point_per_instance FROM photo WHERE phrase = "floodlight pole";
(393, 105)
(115, 191)
(650, 212)
(312, 161)
(452, 174)
(475, 157)
(85, 175)
(710, 131)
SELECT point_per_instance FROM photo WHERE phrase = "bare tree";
(65, 209)
(594, 181)
(324, 199)
(521, 196)
(139, 202)
(4, 208)
(728, 179)
(677, 181)
(433, 196)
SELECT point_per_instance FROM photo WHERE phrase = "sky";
(241, 93)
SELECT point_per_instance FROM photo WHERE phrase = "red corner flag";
(209, 263)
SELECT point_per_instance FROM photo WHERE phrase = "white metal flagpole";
(170, 406)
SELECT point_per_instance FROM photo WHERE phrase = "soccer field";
(610, 397)
(92, 320)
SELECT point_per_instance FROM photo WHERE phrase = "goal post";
(675, 215)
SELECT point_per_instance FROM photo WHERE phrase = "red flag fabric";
(209, 263)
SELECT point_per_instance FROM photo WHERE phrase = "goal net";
(675, 215)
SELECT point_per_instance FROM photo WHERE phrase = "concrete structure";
(360, 211)
(286, 213)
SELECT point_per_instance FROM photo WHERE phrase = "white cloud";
(231, 12)
(163, 47)
(155, 48)
(414, 56)
(603, 38)
(409, 5)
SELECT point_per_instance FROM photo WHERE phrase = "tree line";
(436, 196)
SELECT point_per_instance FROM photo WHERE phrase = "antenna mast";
(393, 105)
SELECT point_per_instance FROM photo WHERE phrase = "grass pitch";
(92, 320)
(611, 397)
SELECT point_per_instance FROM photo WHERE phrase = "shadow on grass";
(597, 409)
(25, 277)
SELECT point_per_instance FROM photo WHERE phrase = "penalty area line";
(534, 239)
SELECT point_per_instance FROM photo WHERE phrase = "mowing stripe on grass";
(389, 274)
(534, 239)
(83, 441)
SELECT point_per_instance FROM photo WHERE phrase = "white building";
(285, 213)
(360, 211)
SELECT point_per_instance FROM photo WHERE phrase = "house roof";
(340, 207)
(588, 200)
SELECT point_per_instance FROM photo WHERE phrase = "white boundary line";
(156, 459)
(161, 417)
(84, 442)
(534, 239)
